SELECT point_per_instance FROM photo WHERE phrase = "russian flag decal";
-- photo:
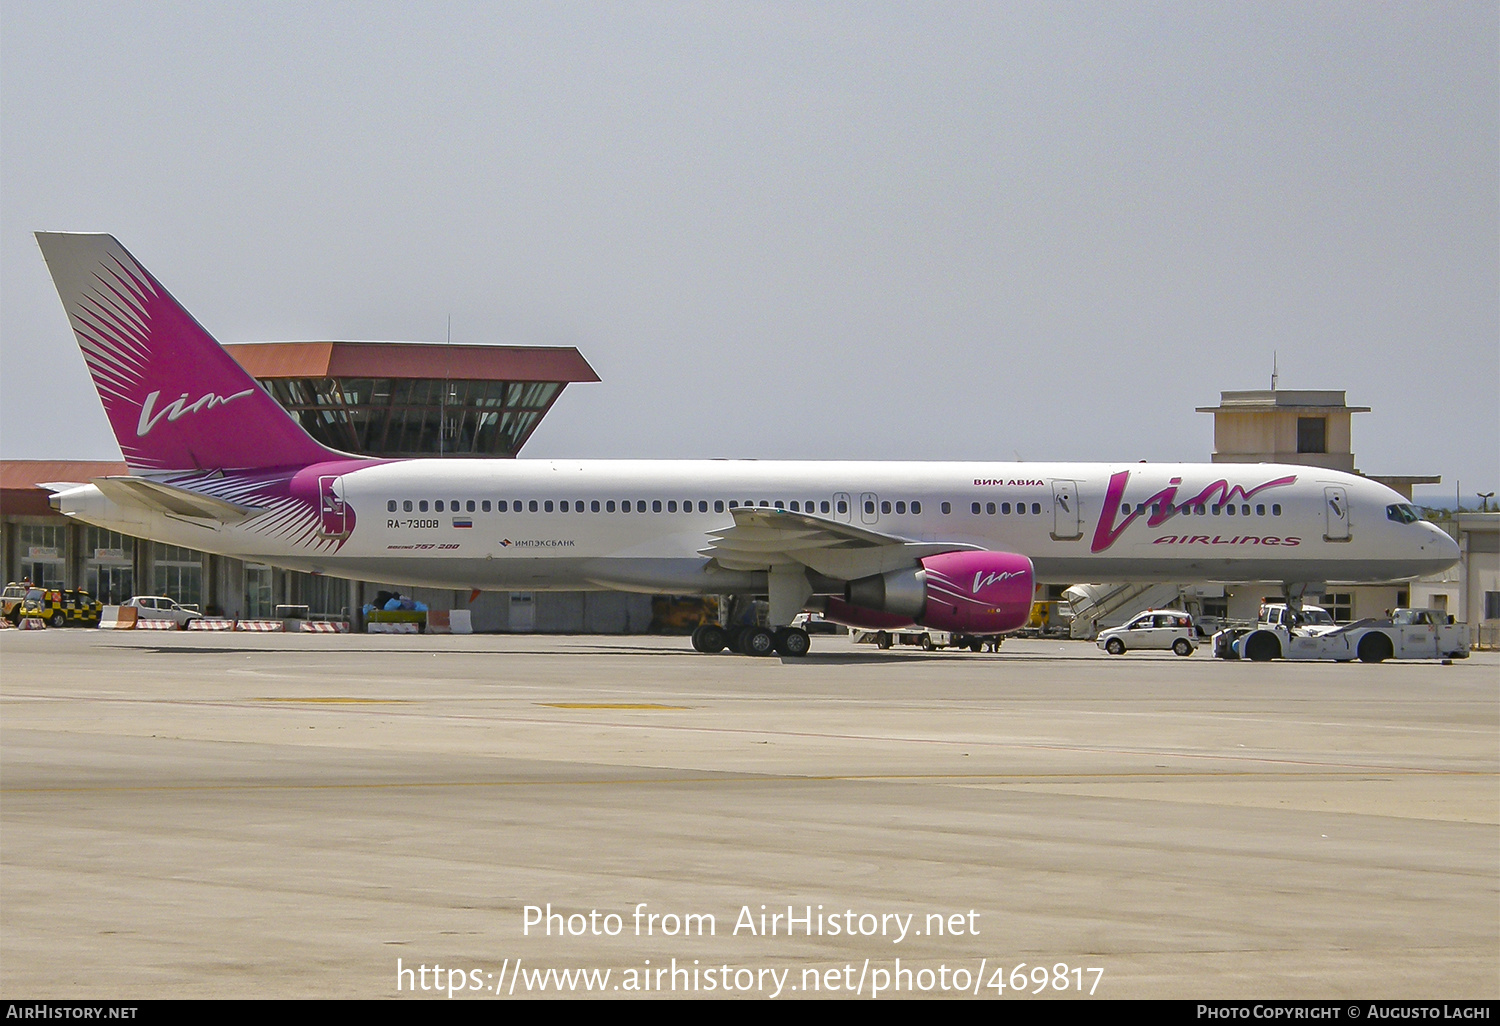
(463, 522)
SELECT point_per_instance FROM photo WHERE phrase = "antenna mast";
(443, 403)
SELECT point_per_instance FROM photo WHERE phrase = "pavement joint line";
(731, 777)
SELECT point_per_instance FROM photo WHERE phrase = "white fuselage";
(564, 526)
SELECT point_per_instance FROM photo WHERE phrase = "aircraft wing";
(142, 493)
(765, 538)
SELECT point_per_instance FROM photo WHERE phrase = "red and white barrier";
(324, 627)
(117, 618)
(211, 623)
(271, 626)
(155, 625)
(449, 621)
(32, 623)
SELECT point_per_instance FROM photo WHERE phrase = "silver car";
(1166, 630)
(159, 607)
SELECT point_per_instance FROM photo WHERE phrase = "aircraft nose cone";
(1440, 546)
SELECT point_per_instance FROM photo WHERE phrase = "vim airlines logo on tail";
(179, 408)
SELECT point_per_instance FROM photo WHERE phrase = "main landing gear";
(792, 642)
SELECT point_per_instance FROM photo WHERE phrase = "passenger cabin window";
(390, 507)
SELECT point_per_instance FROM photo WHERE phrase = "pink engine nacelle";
(963, 592)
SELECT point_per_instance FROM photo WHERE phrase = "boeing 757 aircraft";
(216, 465)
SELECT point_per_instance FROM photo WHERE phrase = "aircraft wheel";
(1114, 646)
(1375, 648)
(793, 642)
(757, 641)
(1183, 647)
(709, 638)
(976, 645)
(882, 640)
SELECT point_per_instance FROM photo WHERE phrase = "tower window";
(1312, 434)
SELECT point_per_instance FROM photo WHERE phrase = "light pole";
(1484, 500)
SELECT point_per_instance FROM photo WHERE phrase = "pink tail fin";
(175, 398)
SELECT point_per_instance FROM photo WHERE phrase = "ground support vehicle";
(927, 640)
(1165, 630)
(60, 607)
(10, 600)
(1406, 634)
(1048, 617)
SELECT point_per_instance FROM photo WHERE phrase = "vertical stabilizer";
(175, 398)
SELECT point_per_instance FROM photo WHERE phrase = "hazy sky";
(795, 230)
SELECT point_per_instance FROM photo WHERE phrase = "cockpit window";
(1402, 513)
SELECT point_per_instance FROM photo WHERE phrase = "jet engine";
(965, 592)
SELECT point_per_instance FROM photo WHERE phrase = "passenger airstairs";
(1109, 605)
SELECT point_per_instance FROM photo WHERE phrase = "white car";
(159, 607)
(1166, 630)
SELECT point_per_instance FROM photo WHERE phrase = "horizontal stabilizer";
(142, 493)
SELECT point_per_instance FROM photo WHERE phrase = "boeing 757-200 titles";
(216, 465)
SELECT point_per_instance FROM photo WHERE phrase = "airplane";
(218, 466)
